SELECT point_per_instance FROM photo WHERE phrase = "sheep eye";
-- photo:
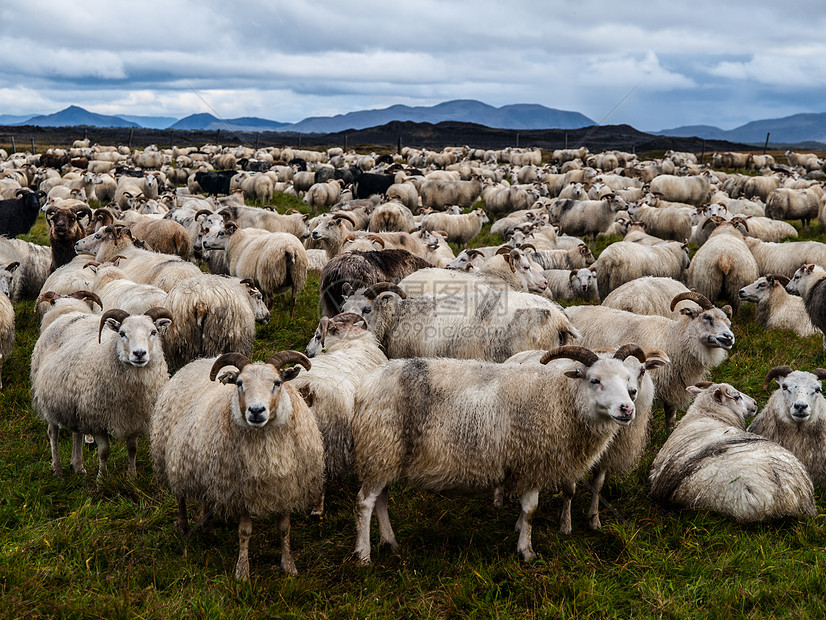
(154, 332)
(785, 387)
(595, 381)
(366, 309)
(276, 384)
(817, 390)
(737, 397)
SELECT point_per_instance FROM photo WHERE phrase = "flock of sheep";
(448, 371)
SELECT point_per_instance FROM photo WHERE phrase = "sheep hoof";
(288, 567)
(565, 528)
(594, 522)
(81, 470)
(528, 555)
(57, 472)
(242, 573)
(362, 558)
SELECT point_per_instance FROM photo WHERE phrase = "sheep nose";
(139, 353)
(801, 407)
(626, 409)
(255, 413)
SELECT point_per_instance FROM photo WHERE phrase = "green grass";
(72, 548)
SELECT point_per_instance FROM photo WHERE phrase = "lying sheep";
(794, 417)
(246, 445)
(769, 230)
(294, 223)
(711, 462)
(776, 308)
(117, 291)
(647, 295)
(490, 324)
(723, 265)
(464, 424)
(131, 371)
(625, 261)
(696, 341)
(810, 283)
(343, 352)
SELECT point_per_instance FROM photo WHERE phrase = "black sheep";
(215, 182)
(360, 269)
(18, 215)
(366, 183)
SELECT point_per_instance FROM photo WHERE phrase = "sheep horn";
(505, 249)
(345, 216)
(226, 214)
(382, 287)
(703, 384)
(570, 351)
(698, 298)
(282, 358)
(376, 239)
(158, 312)
(87, 296)
(81, 210)
(48, 296)
(780, 278)
(201, 212)
(715, 219)
(239, 360)
(115, 313)
(104, 216)
(820, 373)
(473, 252)
(630, 349)
(50, 211)
(777, 371)
(324, 324)
(91, 263)
(524, 246)
(347, 317)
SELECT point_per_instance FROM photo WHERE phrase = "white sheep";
(459, 228)
(391, 217)
(696, 341)
(647, 295)
(464, 424)
(571, 284)
(795, 417)
(776, 308)
(692, 190)
(711, 462)
(246, 445)
(626, 261)
(6, 315)
(343, 352)
(809, 281)
(129, 372)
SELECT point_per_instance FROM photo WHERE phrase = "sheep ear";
(654, 363)
(347, 289)
(726, 310)
(229, 376)
(162, 323)
(576, 373)
(288, 374)
(693, 390)
(113, 324)
(688, 312)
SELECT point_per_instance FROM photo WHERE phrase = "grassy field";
(71, 548)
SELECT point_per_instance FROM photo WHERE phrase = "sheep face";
(220, 239)
(610, 388)
(258, 397)
(139, 338)
(90, 244)
(725, 396)
(6, 276)
(757, 291)
(341, 328)
(803, 278)
(801, 393)
(583, 281)
(710, 327)
(466, 261)
(527, 271)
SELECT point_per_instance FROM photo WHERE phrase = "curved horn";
(820, 373)
(158, 312)
(777, 371)
(91, 263)
(630, 349)
(226, 214)
(282, 358)
(474, 252)
(345, 216)
(376, 239)
(87, 296)
(570, 351)
(81, 210)
(525, 246)
(50, 211)
(699, 299)
(239, 360)
(347, 317)
(115, 313)
(48, 296)
(104, 216)
(382, 287)
(714, 219)
(201, 212)
(780, 278)
(505, 249)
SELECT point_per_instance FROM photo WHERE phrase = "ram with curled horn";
(695, 341)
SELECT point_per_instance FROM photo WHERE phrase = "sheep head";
(139, 334)
(259, 396)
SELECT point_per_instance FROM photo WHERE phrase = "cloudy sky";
(653, 65)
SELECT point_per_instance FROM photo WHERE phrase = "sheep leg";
(386, 535)
(132, 451)
(670, 417)
(182, 523)
(77, 454)
(206, 522)
(293, 296)
(529, 502)
(1, 372)
(242, 569)
(593, 509)
(318, 509)
(287, 562)
(499, 496)
(568, 490)
(102, 440)
(53, 432)
(365, 502)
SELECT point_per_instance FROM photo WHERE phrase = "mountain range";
(795, 129)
